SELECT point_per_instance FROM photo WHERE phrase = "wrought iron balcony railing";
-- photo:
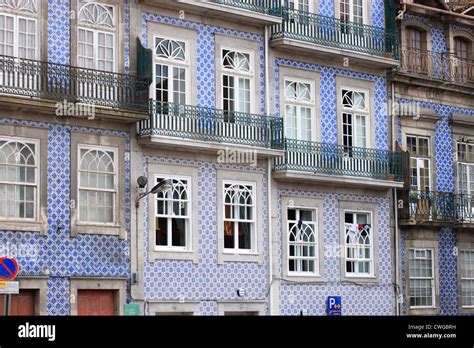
(330, 31)
(331, 159)
(439, 66)
(441, 207)
(208, 124)
(59, 82)
(270, 7)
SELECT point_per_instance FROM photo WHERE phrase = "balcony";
(312, 161)
(41, 85)
(436, 209)
(330, 37)
(206, 129)
(253, 12)
(443, 67)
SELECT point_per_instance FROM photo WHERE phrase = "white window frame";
(189, 222)
(16, 33)
(357, 112)
(298, 104)
(37, 181)
(432, 278)
(466, 278)
(100, 29)
(469, 167)
(80, 147)
(297, 4)
(419, 159)
(237, 75)
(253, 222)
(371, 274)
(316, 245)
(365, 11)
(171, 63)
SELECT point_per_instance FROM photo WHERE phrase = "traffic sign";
(9, 288)
(8, 268)
(334, 307)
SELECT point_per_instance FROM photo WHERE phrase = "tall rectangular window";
(355, 117)
(97, 184)
(352, 11)
(96, 43)
(303, 246)
(420, 162)
(239, 216)
(299, 110)
(421, 273)
(467, 278)
(171, 71)
(237, 78)
(18, 36)
(358, 244)
(18, 178)
(173, 215)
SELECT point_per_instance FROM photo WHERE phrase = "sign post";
(8, 271)
(334, 307)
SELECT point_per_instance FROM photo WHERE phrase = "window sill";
(23, 226)
(360, 279)
(172, 254)
(229, 256)
(108, 230)
(303, 278)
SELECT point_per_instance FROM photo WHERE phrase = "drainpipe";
(269, 179)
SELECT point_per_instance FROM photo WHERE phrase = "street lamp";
(163, 185)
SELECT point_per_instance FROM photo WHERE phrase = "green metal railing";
(330, 31)
(270, 7)
(331, 159)
(443, 207)
(209, 124)
(59, 82)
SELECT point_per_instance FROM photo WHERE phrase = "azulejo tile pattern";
(326, 8)
(59, 31)
(448, 289)
(206, 281)
(63, 256)
(378, 14)
(328, 99)
(206, 81)
(373, 299)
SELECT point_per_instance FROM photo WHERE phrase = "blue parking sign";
(334, 305)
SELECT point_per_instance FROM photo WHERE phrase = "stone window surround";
(241, 45)
(287, 73)
(119, 32)
(180, 33)
(361, 207)
(310, 203)
(423, 132)
(40, 285)
(462, 34)
(92, 283)
(41, 224)
(170, 307)
(119, 229)
(238, 176)
(241, 306)
(348, 82)
(465, 242)
(414, 23)
(431, 242)
(174, 170)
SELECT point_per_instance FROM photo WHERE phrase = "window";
(18, 179)
(97, 184)
(421, 269)
(352, 11)
(355, 117)
(299, 108)
(302, 242)
(462, 65)
(237, 80)
(18, 35)
(171, 71)
(419, 148)
(467, 278)
(359, 246)
(239, 217)
(465, 152)
(173, 215)
(96, 36)
(299, 5)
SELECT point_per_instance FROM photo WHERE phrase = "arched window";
(239, 216)
(173, 215)
(302, 241)
(97, 185)
(96, 36)
(18, 179)
(299, 109)
(415, 56)
(463, 66)
(358, 240)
